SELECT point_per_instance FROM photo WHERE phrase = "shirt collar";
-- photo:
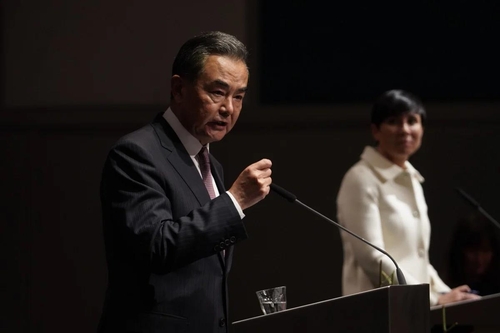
(385, 168)
(192, 145)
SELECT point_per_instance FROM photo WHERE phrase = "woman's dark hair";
(191, 57)
(394, 103)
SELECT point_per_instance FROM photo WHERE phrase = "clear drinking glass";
(272, 300)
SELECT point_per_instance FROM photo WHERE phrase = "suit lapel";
(183, 164)
(216, 175)
(180, 159)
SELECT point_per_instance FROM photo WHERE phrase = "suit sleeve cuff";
(237, 205)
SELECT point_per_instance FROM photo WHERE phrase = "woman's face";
(399, 137)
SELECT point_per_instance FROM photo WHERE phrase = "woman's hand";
(461, 293)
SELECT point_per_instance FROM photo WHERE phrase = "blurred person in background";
(381, 199)
(475, 255)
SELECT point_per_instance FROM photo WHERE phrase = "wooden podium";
(388, 309)
(478, 316)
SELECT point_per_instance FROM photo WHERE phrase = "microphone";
(477, 206)
(293, 199)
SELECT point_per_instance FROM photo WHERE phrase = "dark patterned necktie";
(206, 174)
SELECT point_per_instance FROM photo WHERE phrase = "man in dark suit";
(169, 225)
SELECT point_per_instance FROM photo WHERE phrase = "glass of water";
(272, 300)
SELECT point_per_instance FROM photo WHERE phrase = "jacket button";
(222, 322)
(216, 248)
(222, 245)
(232, 239)
(227, 242)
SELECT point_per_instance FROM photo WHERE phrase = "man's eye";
(218, 93)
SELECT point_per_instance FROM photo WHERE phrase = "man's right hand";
(252, 185)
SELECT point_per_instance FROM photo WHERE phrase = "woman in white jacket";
(381, 199)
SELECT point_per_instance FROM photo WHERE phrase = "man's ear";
(176, 87)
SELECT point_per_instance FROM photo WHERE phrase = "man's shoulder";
(143, 133)
(146, 134)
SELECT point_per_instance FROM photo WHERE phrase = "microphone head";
(282, 192)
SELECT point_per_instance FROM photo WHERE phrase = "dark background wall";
(77, 76)
(442, 50)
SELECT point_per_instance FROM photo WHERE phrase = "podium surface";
(478, 316)
(388, 309)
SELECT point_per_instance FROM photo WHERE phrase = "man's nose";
(227, 107)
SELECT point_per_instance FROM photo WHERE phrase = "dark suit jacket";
(163, 237)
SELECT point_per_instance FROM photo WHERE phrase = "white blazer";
(385, 205)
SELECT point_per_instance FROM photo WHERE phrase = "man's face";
(210, 106)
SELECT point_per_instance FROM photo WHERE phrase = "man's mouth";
(218, 124)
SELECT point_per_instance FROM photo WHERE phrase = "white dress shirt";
(385, 204)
